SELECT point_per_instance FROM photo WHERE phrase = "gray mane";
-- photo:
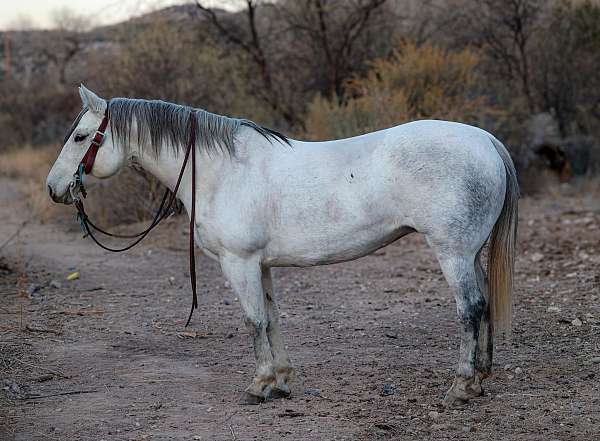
(159, 123)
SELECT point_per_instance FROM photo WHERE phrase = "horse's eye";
(79, 138)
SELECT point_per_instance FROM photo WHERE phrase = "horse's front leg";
(281, 361)
(244, 274)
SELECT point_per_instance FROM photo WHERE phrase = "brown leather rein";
(164, 209)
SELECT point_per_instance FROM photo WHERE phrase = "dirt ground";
(374, 342)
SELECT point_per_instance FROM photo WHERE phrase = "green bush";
(416, 82)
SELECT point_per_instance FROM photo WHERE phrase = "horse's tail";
(501, 256)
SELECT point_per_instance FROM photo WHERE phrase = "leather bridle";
(97, 141)
(164, 209)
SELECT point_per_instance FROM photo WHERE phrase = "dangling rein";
(85, 167)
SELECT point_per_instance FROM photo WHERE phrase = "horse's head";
(108, 160)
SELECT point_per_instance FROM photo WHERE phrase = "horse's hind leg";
(462, 277)
(281, 361)
(485, 346)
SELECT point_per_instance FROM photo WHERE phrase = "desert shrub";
(416, 82)
(176, 63)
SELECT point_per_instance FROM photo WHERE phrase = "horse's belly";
(325, 247)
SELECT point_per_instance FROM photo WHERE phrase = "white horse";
(264, 200)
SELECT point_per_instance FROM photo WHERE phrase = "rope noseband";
(164, 209)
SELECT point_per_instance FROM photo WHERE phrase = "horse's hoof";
(462, 390)
(248, 399)
(451, 400)
(282, 391)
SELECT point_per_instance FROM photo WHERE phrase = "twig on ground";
(74, 392)
(15, 234)
(232, 433)
(33, 328)
(81, 312)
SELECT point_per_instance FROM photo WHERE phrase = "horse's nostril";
(50, 192)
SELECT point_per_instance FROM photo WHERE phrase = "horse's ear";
(92, 101)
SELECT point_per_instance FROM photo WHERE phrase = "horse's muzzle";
(64, 199)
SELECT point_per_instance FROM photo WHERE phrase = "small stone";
(32, 288)
(576, 322)
(596, 360)
(553, 309)
(434, 415)
(536, 257)
(388, 389)
(197, 437)
(10, 386)
(518, 371)
(226, 302)
(55, 284)
(507, 367)
(313, 392)
(468, 429)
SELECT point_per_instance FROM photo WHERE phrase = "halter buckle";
(100, 135)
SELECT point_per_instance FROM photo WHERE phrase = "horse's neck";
(166, 167)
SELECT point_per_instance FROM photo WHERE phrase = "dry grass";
(30, 167)
(108, 203)
(27, 163)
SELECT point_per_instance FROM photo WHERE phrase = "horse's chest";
(230, 231)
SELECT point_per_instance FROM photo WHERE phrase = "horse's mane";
(159, 123)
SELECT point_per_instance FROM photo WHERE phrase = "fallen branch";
(82, 312)
(290, 414)
(75, 392)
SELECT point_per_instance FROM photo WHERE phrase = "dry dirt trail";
(374, 341)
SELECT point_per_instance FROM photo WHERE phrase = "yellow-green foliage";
(416, 82)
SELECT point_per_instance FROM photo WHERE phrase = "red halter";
(90, 155)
